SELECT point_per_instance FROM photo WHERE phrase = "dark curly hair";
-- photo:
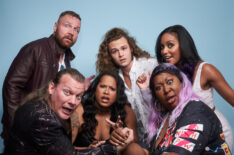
(90, 109)
(104, 60)
(189, 55)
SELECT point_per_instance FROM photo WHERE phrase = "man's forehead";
(68, 18)
(67, 79)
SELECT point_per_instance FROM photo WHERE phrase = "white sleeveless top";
(206, 96)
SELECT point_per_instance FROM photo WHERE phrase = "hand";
(88, 81)
(118, 124)
(143, 81)
(130, 138)
(93, 145)
(96, 144)
(120, 135)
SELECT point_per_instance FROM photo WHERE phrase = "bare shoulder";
(210, 71)
(130, 115)
(80, 109)
(79, 112)
(128, 109)
(209, 68)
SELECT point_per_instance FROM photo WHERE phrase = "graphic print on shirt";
(188, 131)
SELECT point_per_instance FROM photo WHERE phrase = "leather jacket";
(37, 129)
(34, 66)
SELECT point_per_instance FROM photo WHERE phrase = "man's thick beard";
(60, 42)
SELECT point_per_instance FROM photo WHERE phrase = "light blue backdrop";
(210, 23)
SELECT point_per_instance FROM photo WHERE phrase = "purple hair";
(157, 111)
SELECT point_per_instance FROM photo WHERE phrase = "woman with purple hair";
(179, 122)
(176, 46)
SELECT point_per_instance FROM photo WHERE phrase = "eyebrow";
(70, 88)
(170, 41)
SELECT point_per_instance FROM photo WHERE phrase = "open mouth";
(171, 99)
(67, 111)
(105, 99)
(68, 38)
(167, 58)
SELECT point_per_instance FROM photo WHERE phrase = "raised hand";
(88, 81)
(143, 81)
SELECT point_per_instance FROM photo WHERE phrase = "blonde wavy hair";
(104, 60)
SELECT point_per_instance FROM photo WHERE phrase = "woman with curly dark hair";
(119, 52)
(104, 99)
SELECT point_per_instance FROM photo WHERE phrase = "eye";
(170, 45)
(77, 30)
(79, 96)
(66, 92)
(102, 86)
(113, 51)
(112, 88)
(157, 88)
(162, 47)
(67, 25)
(124, 48)
(169, 82)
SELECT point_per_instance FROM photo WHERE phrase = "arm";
(76, 121)
(214, 78)
(48, 136)
(143, 84)
(131, 122)
(126, 133)
(17, 77)
(118, 137)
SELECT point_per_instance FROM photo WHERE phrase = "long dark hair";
(189, 55)
(90, 108)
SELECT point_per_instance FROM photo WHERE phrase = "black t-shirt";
(196, 131)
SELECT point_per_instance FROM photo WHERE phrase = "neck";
(61, 57)
(127, 69)
(102, 110)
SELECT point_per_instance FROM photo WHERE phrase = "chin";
(105, 105)
(67, 45)
(64, 117)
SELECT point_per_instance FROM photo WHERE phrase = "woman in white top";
(119, 52)
(175, 45)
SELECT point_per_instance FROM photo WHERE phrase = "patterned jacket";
(38, 130)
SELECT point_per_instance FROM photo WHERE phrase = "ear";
(55, 26)
(51, 88)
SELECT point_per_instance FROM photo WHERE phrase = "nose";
(121, 53)
(166, 89)
(71, 31)
(164, 51)
(106, 91)
(73, 101)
